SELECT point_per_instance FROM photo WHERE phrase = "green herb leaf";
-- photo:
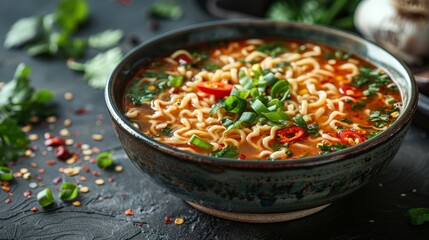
(417, 216)
(167, 9)
(23, 31)
(332, 148)
(71, 13)
(106, 39)
(98, 69)
(199, 142)
(226, 152)
(68, 191)
(13, 142)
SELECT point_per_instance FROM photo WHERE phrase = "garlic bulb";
(401, 26)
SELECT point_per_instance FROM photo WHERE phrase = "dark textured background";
(376, 211)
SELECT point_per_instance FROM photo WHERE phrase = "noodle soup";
(261, 99)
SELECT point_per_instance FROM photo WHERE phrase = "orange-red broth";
(386, 100)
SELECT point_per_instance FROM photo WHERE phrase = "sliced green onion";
(235, 104)
(68, 191)
(198, 142)
(275, 102)
(270, 78)
(226, 122)
(246, 117)
(254, 92)
(280, 90)
(104, 159)
(300, 121)
(243, 94)
(259, 107)
(175, 81)
(277, 116)
(417, 216)
(217, 106)
(6, 174)
(45, 197)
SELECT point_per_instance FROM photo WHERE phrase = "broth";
(262, 99)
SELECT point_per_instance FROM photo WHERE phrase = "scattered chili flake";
(82, 178)
(32, 185)
(17, 174)
(38, 178)
(26, 175)
(179, 221)
(62, 153)
(81, 111)
(51, 119)
(96, 174)
(85, 168)
(118, 168)
(76, 203)
(41, 171)
(48, 135)
(33, 164)
(8, 200)
(68, 96)
(33, 137)
(50, 162)
(23, 170)
(34, 209)
(57, 180)
(5, 188)
(97, 137)
(67, 122)
(153, 25)
(168, 220)
(110, 179)
(129, 212)
(27, 193)
(55, 141)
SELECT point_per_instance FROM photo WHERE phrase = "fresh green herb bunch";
(19, 101)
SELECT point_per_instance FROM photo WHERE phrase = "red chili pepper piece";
(242, 156)
(218, 89)
(34, 209)
(62, 153)
(129, 212)
(350, 137)
(56, 141)
(168, 220)
(350, 91)
(184, 59)
(291, 134)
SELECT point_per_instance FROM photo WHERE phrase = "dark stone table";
(377, 211)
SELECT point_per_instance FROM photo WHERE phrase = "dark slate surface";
(376, 211)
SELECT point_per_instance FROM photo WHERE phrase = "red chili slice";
(350, 91)
(291, 134)
(183, 59)
(350, 137)
(216, 88)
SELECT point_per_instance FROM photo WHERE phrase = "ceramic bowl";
(250, 190)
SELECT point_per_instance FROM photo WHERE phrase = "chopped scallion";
(235, 104)
(45, 197)
(175, 81)
(6, 174)
(68, 191)
(259, 107)
(104, 159)
(199, 142)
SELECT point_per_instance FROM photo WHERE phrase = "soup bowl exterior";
(257, 186)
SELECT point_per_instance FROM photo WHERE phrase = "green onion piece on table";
(201, 143)
(104, 159)
(6, 174)
(418, 216)
(68, 191)
(45, 197)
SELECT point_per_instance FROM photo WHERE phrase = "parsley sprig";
(19, 101)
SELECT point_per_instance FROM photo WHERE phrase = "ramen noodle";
(261, 99)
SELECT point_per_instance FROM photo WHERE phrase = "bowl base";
(258, 217)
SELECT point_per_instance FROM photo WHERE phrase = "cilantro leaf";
(167, 9)
(106, 39)
(98, 69)
(71, 13)
(18, 102)
(226, 152)
(23, 31)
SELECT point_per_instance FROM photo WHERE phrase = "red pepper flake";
(27, 193)
(8, 200)
(139, 224)
(57, 180)
(81, 111)
(62, 153)
(34, 209)
(93, 160)
(85, 168)
(50, 162)
(168, 220)
(5, 188)
(56, 141)
(41, 171)
(129, 212)
(48, 135)
(153, 25)
(38, 178)
(110, 179)
(96, 174)
(17, 174)
(242, 156)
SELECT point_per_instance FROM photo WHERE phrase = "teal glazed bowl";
(254, 190)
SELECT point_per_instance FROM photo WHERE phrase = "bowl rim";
(401, 122)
